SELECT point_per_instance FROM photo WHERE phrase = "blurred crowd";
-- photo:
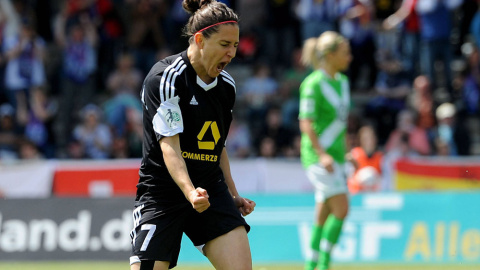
(71, 72)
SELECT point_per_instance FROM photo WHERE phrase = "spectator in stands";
(145, 35)
(407, 18)
(475, 28)
(316, 17)
(463, 18)
(111, 29)
(421, 101)
(357, 25)
(10, 21)
(39, 128)
(24, 72)
(253, 14)
(274, 129)
(402, 149)
(294, 151)
(135, 134)
(28, 150)
(258, 92)
(414, 18)
(467, 83)
(9, 133)
(267, 148)
(354, 123)
(435, 29)
(406, 127)
(79, 46)
(75, 150)
(290, 81)
(279, 40)
(392, 88)
(175, 21)
(451, 135)
(367, 162)
(239, 144)
(93, 135)
(124, 84)
(119, 148)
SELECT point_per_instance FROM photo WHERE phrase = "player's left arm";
(246, 206)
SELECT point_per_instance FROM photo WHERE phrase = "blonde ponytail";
(315, 49)
(309, 57)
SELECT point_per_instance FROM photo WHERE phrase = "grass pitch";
(124, 265)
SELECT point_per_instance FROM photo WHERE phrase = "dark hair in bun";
(191, 6)
(204, 13)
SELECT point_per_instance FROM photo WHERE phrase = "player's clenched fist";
(199, 199)
(246, 206)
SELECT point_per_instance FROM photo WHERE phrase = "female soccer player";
(324, 103)
(185, 183)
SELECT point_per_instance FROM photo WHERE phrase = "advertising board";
(380, 228)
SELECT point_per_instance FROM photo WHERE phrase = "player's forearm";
(306, 128)
(225, 166)
(178, 171)
(176, 165)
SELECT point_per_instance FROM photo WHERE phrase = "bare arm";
(90, 30)
(396, 18)
(59, 30)
(325, 159)
(245, 205)
(177, 168)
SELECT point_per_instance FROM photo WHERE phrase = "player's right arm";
(161, 100)
(178, 170)
(306, 127)
(399, 16)
(307, 115)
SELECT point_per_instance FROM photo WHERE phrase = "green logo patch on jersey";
(172, 118)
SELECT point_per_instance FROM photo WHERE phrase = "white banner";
(35, 180)
(26, 180)
(262, 175)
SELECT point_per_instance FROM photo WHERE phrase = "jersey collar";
(205, 86)
(335, 77)
(200, 83)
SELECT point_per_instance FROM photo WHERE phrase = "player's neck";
(329, 70)
(194, 56)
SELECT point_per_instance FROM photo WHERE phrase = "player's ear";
(199, 39)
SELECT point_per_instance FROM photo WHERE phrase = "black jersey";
(176, 101)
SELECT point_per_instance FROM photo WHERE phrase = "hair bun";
(191, 6)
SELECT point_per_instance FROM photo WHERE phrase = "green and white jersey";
(326, 101)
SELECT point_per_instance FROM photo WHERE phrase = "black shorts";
(158, 229)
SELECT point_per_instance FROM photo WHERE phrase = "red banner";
(432, 174)
(96, 180)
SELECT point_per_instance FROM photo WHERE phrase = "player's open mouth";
(221, 66)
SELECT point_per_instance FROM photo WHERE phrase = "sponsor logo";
(70, 235)
(193, 101)
(208, 145)
(202, 157)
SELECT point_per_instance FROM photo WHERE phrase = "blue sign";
(381, 227)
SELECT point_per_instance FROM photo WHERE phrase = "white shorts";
(327, 184)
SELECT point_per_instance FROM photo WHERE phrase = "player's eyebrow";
(229, 42)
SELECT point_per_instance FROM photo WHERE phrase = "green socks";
(312, 258)
(330, 234)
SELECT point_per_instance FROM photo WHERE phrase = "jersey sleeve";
(230, 82)
(168, 120)
(307, 100)
(161, 100)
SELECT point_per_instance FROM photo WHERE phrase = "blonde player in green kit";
(324, 104)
